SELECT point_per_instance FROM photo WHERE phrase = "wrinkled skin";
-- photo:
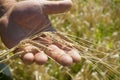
(25, 18)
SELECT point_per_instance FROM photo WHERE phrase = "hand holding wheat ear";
(22, 20)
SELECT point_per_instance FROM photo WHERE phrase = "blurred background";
(95, 26)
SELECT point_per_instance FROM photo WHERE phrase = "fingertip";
(75, 55)
(41, 58)
(60, 56)
(28, 58)
(65, 60)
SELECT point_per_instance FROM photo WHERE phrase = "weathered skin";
(22, 19)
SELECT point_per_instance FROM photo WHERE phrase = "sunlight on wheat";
(86, 52)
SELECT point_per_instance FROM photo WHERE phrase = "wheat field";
(93, 26)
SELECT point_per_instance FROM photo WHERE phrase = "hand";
(54, 44)
(25, 18)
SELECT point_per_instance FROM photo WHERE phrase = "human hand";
(26, 18)
(54, 44)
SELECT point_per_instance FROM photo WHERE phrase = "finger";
(70, 51)
(30, 48)
(52, 7)
(41, 58)
(74, 54)
(59, 55)
(56, 53)
(28, 58)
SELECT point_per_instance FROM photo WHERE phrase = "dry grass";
(93, 26)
